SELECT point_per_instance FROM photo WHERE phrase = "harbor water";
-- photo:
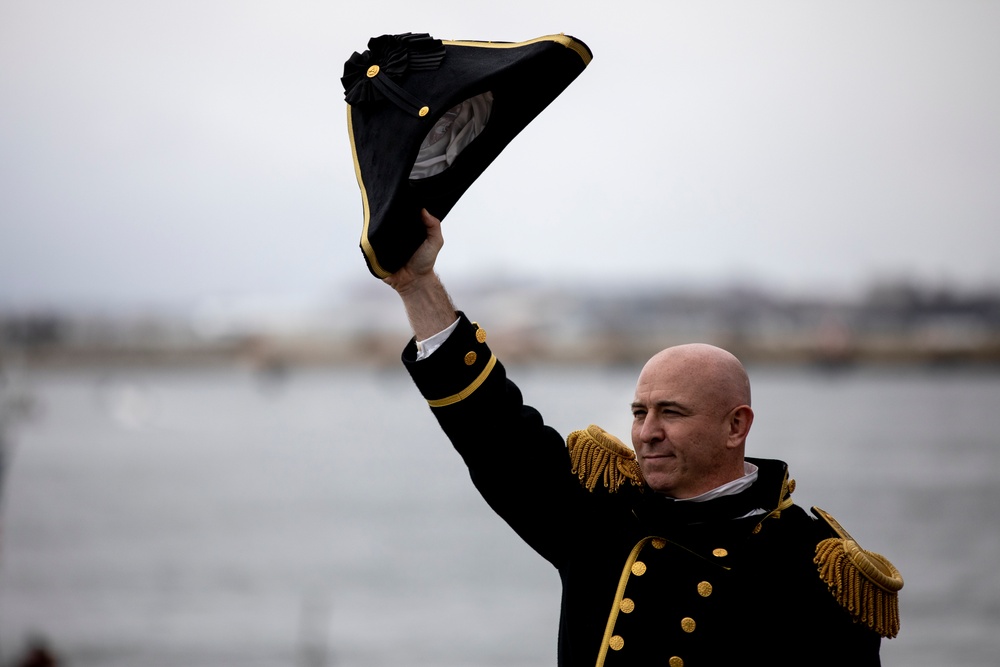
(218, 517)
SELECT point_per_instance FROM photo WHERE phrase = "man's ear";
(740, 420)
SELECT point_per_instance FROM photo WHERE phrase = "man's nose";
(650, 430)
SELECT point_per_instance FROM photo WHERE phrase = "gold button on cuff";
(720, 553)
(372, 71)
(704, 589)
(481, 335)
(658, 543)
(424, 111)
(687, 624)
(638, 568)
(470, 358)
(627, 606)
(616, 643)
(675, 662)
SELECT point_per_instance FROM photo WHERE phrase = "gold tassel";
(865, 583)
(596, 455)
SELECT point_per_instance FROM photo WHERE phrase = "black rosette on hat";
(390, 56)
(426, 117)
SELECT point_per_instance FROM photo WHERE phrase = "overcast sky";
(168, 152)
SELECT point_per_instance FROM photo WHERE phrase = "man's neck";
(729, 488)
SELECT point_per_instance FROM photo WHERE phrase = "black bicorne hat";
(426, 117)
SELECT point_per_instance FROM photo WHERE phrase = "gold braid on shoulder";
(596, 455)
(865, 583)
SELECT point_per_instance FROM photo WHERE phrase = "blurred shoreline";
(891, 325)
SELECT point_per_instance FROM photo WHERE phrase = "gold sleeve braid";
(597, 456)
(865, 583)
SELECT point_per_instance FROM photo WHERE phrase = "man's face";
(680, 430)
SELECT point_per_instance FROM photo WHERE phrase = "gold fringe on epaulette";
(596, 455)
(863, 582)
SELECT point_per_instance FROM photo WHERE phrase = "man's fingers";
(432, 224)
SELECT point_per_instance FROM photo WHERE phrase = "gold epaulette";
(598, 455)
(865, 583)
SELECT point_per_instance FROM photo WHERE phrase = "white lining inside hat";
(451, 134)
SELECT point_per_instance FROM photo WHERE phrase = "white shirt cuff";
(427, 347)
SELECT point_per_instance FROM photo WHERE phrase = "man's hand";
(428, 306)
(420, 266)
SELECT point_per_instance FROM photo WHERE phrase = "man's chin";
(660, 482)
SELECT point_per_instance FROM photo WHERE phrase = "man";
(681, 554)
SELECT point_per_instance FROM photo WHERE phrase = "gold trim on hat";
(565, 40)
(366, 245)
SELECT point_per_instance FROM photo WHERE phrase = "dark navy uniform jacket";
(646, 580)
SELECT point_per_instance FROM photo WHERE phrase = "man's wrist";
(417, 284)
(428, 306)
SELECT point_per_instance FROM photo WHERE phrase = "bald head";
(716, 372)
(691, 417)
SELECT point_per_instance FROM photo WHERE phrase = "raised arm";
(427, 304)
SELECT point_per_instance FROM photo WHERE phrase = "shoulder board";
(865, 583)
(596, 455)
